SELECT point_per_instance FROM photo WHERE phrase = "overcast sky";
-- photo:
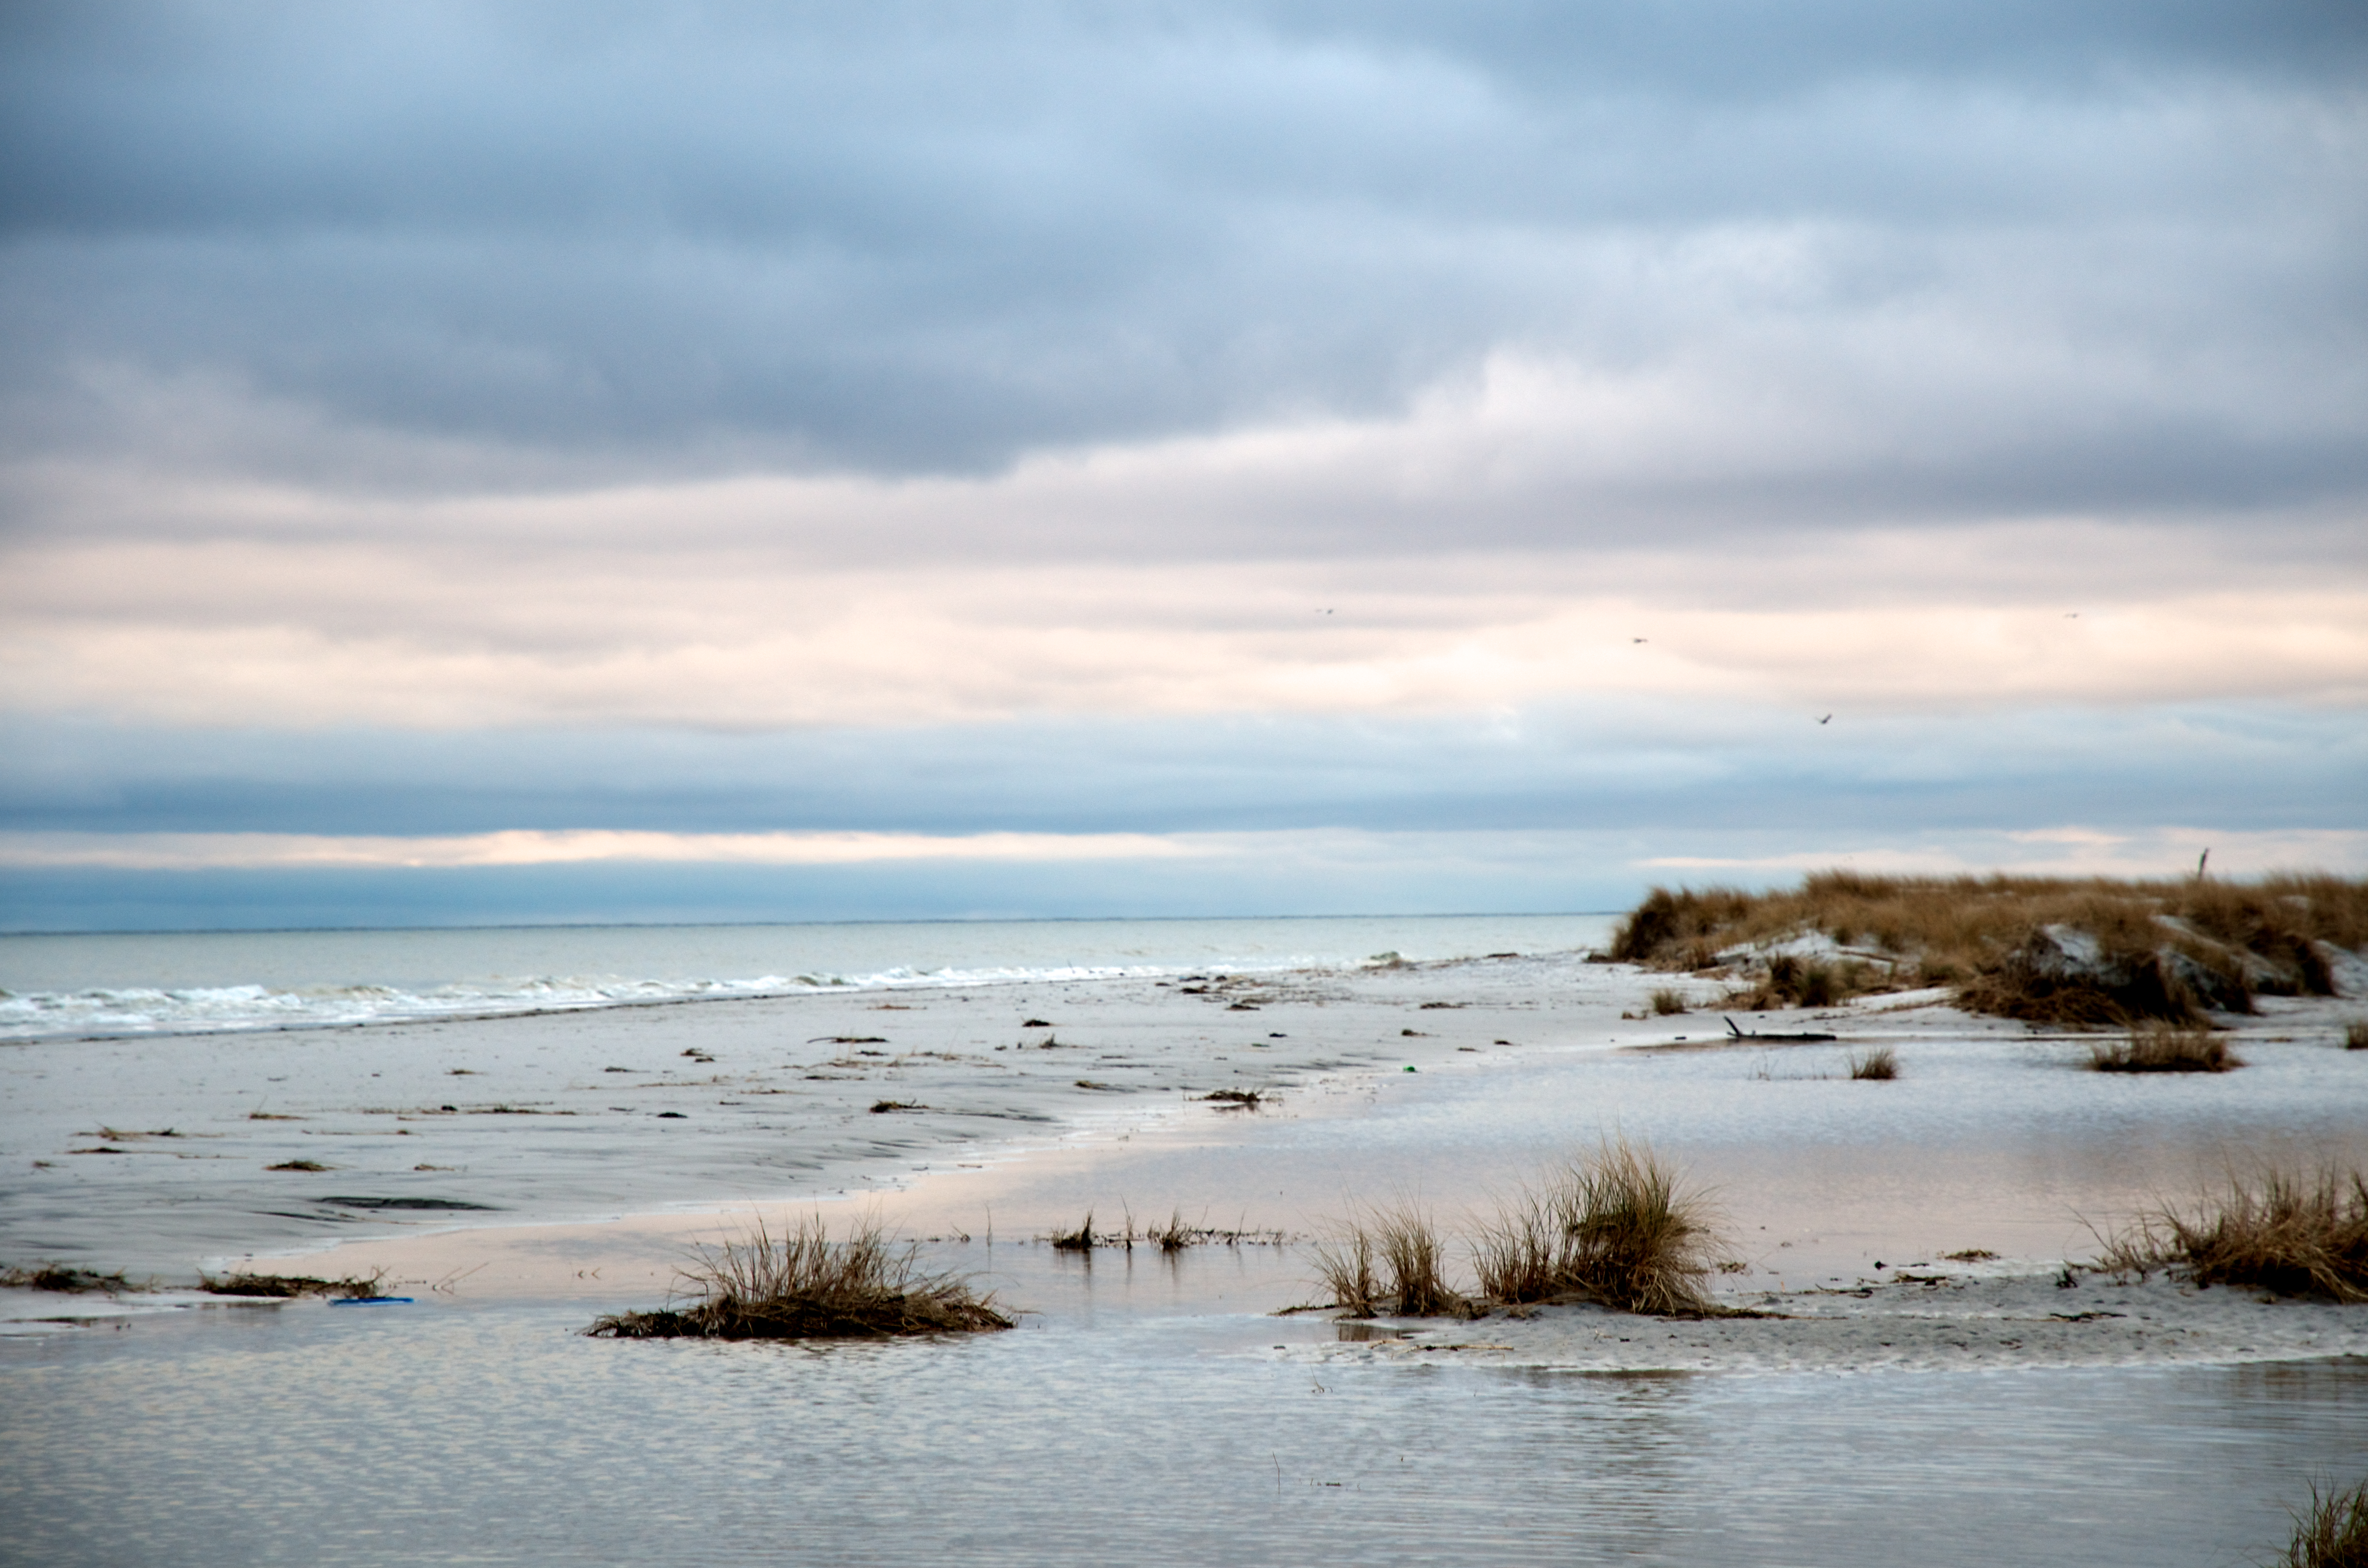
(1238, 457)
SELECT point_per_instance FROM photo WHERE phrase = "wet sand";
(598, 1150)
(157, 1154)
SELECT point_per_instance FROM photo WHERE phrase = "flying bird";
(1827, 719)
(1635, 640)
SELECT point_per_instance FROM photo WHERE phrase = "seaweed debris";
(287, 1286)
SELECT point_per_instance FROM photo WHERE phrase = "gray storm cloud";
(946, 419)
(2099, 256)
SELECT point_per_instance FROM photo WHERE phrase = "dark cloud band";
(710, 238)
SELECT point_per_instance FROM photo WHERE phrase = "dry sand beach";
(514, 1175)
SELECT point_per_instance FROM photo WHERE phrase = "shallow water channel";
(1140, 1415)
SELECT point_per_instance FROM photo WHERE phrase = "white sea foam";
(193, 982)
(132, 1010)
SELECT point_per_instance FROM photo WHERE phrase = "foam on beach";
(60, 986)
(147, 1010)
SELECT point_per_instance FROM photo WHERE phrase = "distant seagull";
(1635, 640)
(1827, 719)
(2071, 615)
(1323, 612)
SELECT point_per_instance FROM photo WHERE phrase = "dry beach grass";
(1617, 1228)
(806, 1286)
(1393, 1260)
(1344, 1266)
(2291, 1233)
(2170, 949)
(1878, 1063)
(2332, 1532)
(1415, 1257)
(2165, 1047)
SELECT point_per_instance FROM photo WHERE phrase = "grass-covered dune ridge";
(2088, 951)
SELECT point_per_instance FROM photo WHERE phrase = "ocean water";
(201, 981)
(1137, 1416)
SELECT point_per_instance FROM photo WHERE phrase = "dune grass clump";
(1685, 929)
(2279, 1230)
(2355, 1035)
(1879, 1064)
(806, 1286)
(1790, 981)
(1616, 1228)
(1416, 1259)
(2072, 950)
(1668, 1003)
(1392, 1261)
(2332, 1532)
(2165, 1047)
(1344, 1266)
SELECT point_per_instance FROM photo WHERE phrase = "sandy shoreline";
(1020, 1106)
(587, 1116)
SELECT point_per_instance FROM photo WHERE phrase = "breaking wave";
(134, 1010)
